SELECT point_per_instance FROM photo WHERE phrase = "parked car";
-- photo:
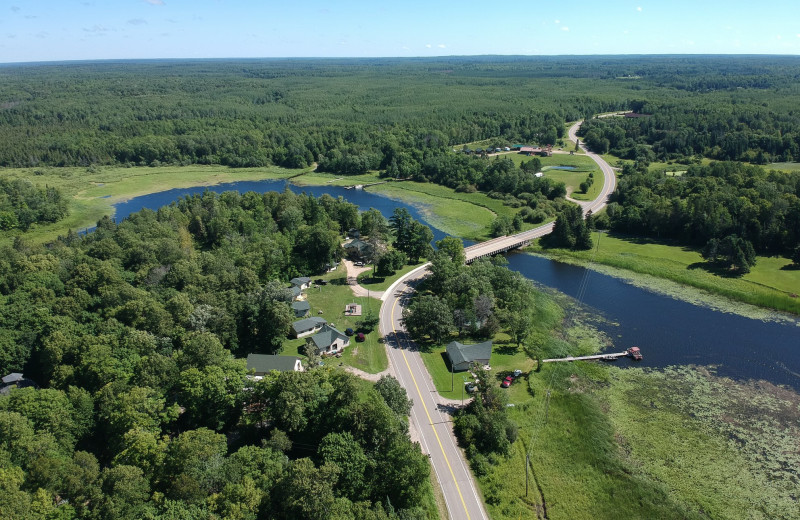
(517, 373)
(360, 337)
(507, 381)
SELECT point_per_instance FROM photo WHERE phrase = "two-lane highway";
(428, 418)
(431, 423)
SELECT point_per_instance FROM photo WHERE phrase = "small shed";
(263, 364)
(462, 356)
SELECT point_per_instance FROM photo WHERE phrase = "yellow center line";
(403, 352)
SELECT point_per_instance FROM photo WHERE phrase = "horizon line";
(443, 56)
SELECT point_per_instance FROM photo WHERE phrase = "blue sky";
(46, 30)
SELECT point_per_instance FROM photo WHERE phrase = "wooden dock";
(608, 356)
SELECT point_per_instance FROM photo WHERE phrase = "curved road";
(429, 415)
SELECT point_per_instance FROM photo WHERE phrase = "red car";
(507, 381)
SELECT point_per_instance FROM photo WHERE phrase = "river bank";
(679, 272)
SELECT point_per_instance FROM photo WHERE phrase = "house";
(263, 364)
(301, 309)
(462, 356)
(357, 249)
(297, 293)
(329, 340)
(308, 326)
(536, 150)
(303, 282)
(15, 380)
(538, 174)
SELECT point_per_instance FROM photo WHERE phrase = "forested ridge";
(357, 114)
(143, 411)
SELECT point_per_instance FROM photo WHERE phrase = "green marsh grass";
(769, 284)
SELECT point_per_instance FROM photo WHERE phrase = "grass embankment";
(331, 299)
(93, 192)
(769, 284)
(381, 283)
(465, 215)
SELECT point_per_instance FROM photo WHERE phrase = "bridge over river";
(509, 242)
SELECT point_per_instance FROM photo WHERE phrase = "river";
(669, 331)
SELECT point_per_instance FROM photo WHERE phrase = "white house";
(303, 282)
(329, 340)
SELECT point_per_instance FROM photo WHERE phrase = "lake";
(669, 331)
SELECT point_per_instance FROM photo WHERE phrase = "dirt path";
(352, 274)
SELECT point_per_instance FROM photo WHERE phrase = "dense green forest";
(711, 203)
(23, 204)
(350, 115)
(143, 411)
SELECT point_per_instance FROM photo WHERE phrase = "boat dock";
(607, 356)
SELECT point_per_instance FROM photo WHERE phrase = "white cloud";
(558, 21)
(639, 9)
(15, 8)
(95, 29)
(798, 35)
(154, 2)
(428, 45)
(565, 28)
(137, 21)
(441, 46)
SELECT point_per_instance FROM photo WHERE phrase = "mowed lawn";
(506, 358)
(381, 283)
(331, 299)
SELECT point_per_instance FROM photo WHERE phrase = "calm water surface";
(669, 331)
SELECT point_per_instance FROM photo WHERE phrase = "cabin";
(297, 293)
(536, 150)
(301, 309)
(462, 356)
(357, 249)
(263, 364)
(303, 282)
(308, 326)
(15, 380)
(329, 340)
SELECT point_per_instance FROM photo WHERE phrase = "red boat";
(635, 353)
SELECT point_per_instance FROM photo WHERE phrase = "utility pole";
(547, 406)
(527, 464)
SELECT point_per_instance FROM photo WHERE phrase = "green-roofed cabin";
(308, 326)
(462, 356)
(263, 364)
(329, 340)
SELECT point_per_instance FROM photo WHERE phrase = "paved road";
(429, 416)
(499, 244)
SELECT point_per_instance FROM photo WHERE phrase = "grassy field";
(506, 358)
(465, 215)
(381, 283)
(571, 178)
(93, 192)
(313, 178)
(769, 284)
(786, 167)
(370, 355)
(606, 442)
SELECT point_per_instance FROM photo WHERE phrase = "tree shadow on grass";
(506, 348)
(339, 281)
(715, 269)
(791, 267)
